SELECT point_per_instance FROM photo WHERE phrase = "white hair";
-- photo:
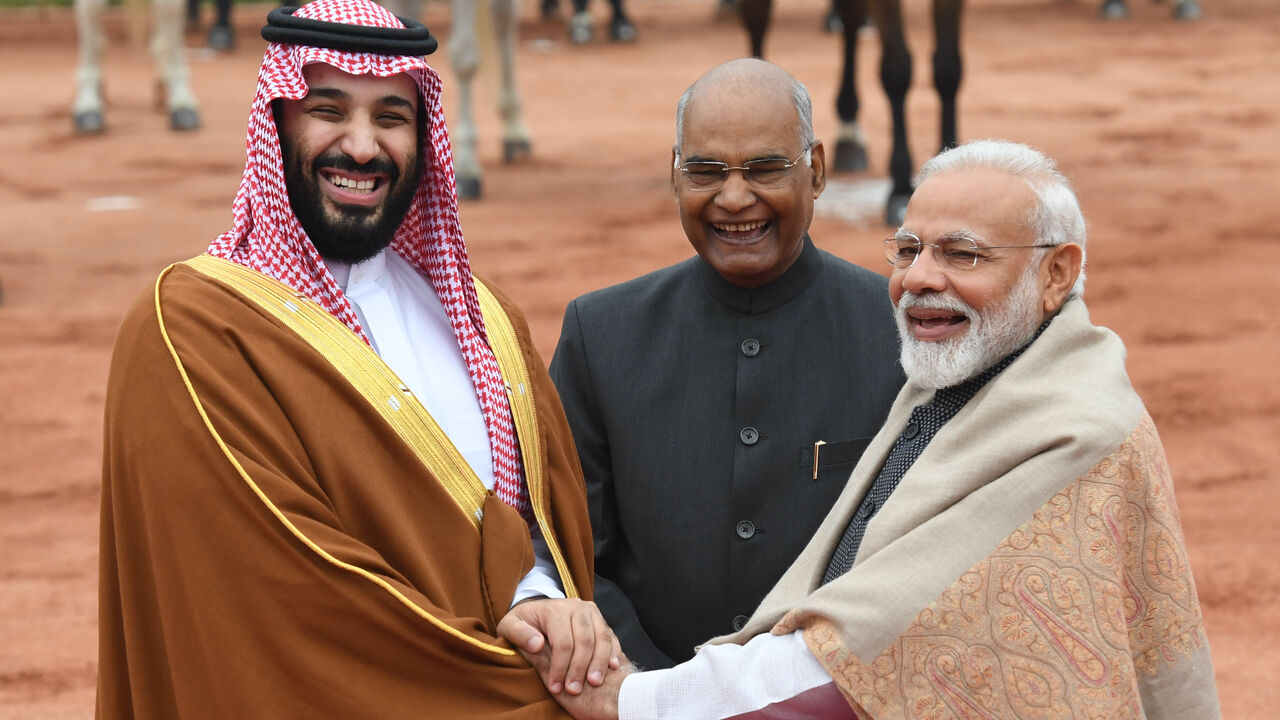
(1055, 219)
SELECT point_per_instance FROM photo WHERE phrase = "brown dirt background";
(1169, 130)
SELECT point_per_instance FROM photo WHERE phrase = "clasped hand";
(581, 646)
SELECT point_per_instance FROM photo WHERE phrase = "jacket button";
(750, 347)
(749, 435)
(910, 431)
(739, 622)
(746, 529)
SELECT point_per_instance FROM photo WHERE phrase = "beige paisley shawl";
(1031, 564)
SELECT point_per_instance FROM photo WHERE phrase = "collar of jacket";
(781, 291)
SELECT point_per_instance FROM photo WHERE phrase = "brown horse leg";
(948, 67)
(895, 77)
(851, 147)
(755, 16)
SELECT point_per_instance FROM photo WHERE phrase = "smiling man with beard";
(337, 481)
(718, 405)
(1009, 545)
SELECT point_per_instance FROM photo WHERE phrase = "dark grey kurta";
(695, 405)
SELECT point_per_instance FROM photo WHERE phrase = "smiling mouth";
(742, 232)
(352, 185)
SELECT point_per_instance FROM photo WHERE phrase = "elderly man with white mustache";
(1009, 545)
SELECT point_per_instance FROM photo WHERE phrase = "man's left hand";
(582, 647)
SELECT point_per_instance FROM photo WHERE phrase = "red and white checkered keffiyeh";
(267, 236)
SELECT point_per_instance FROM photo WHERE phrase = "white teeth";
(740, 227)
(349, 184)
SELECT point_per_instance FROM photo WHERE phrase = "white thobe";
(409, 329)
(772, 677)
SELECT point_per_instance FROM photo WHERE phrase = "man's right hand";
(570, 635)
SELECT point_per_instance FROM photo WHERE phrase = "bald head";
(748, 77)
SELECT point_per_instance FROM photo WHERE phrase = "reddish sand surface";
(1169, 130)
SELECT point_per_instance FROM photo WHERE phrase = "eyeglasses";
(762, 173)
(951, 254)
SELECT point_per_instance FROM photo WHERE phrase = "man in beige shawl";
(1009, 545)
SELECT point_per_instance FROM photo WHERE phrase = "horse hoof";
(550, 9)
(1113, 10)
(89, 122)
(621, 30)
(1186, 10)
(580, 30)
(468, 188)
(895, 210)
(850, 156)
(513, 150)
(832, 23)
(184, 119)
(222, 37)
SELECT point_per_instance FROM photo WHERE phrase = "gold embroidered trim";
(322, 330)
(502, 338)
(359, 365)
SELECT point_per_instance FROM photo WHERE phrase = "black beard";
(348, 234)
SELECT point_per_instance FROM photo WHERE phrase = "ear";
(819, 165)
(1058, 273)
(674, 170)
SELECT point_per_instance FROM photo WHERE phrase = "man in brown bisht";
(337, 481)
(1008, 546)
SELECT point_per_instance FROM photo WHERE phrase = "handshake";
(575, 653)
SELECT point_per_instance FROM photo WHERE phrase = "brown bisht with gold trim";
(287, 534)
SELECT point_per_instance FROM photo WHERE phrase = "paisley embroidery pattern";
(1061, 620)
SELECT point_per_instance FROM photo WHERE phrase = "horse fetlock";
(1186, 10)
(581, 29)
(89, 93)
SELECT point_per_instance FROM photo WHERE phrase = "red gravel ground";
(1169, 131)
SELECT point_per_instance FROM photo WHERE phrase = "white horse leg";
(171, 67)
(516, 141)
(87, 107)
(464, 53)
(411, 9)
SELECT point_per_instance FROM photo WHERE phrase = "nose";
(736, 194)
(360, 141)
(924, 275)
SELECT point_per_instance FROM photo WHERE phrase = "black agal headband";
(283, 27)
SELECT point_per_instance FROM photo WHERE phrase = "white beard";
(989, 338)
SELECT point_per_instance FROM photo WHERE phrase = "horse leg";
(620, 27)
(411, 9)
(1186, 10)
(464, 55)
(851, 144)
(581, 30)
(948, 66)
(550, 9)
(831, 22)
(87, 107)
(171, 66)
(221, 36)
(755, 16)
(516, 142)
(1113, 10)
(895, 76)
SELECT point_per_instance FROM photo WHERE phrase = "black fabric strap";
(283, 27)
